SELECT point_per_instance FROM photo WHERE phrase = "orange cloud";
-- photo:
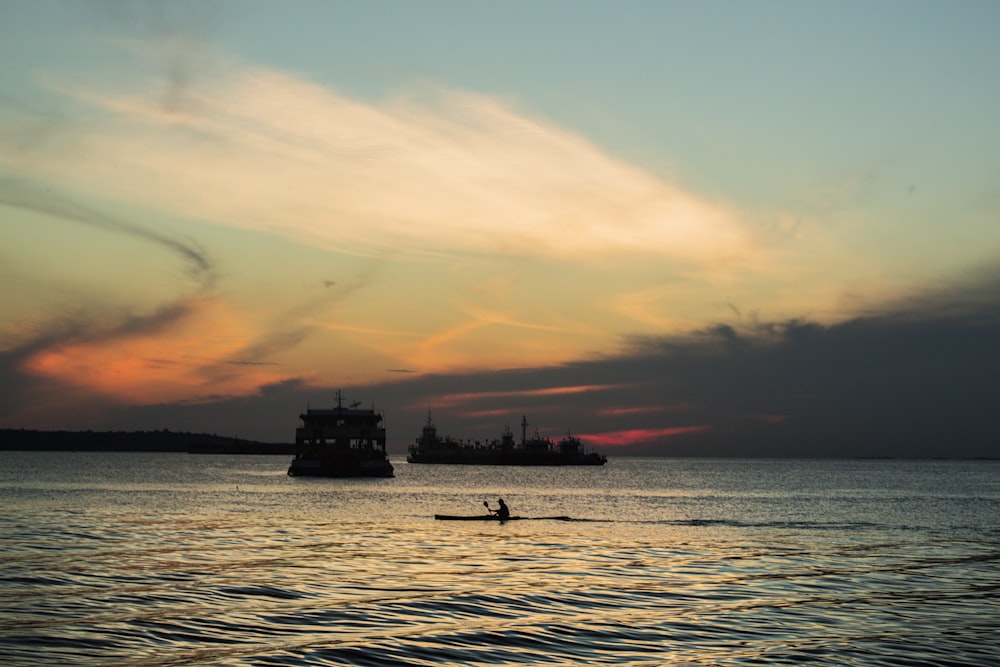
(769, 418)
(193, 357)
(644, 409)
(640, 435)
(451, 400)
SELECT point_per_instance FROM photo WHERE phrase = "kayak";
(474, 517)
(494, 517)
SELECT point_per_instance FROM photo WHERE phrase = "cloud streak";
(640, 436)
(440, 171)
(22, 194)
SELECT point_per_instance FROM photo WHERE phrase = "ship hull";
(511, 458)
(340, 468)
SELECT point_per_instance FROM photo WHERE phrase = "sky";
(681, 228)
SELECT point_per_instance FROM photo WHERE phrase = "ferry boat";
(534, 451)
(340, 442)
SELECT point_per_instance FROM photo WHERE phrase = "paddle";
(486, 504)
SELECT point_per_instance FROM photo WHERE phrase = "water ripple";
(185, 574)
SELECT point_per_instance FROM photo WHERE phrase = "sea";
(175, 559)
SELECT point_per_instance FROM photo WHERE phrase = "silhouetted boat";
(534, 451)
(340, 442)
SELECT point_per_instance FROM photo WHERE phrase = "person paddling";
(503, 512)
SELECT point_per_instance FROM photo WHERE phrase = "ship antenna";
(524, 429)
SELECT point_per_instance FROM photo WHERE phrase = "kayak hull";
(473, 517)
(493, 517)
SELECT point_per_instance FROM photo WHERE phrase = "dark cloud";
(50, 403)
(18, 389)
(271, 343)
(183, 32)
(17, 193)
(270, 414)
(253, 363)
(28, 400)
(161, 319)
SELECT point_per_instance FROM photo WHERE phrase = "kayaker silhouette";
(503, 512)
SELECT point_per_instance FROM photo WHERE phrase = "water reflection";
(229, 561)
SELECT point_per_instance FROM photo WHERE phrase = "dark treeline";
(135, 441)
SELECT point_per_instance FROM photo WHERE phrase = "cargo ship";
(533, 451)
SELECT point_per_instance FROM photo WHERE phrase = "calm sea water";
(173, 559)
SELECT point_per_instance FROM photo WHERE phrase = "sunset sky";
(672, 227)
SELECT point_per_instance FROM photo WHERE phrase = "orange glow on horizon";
(618, 412)
(769, 419)
(645, 409)
(452, 400)
(640, 435)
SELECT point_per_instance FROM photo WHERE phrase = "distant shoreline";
(165, 440)
(135, 441)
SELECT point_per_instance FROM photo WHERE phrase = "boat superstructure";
(533, 451)
(341, 442)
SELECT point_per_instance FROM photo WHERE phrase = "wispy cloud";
(24, 194)
(621, 411)
(641, 436)
(454, 400)
(439, 171)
